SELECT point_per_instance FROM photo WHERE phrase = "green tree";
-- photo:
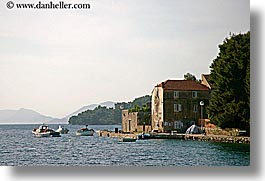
(145, 108)
(136, 108)
(229, 105)
(189, 76)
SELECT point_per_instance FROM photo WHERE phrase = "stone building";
(129, 121)
(176, 105)
(135, 122)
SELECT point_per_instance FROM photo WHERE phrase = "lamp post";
(201, 104)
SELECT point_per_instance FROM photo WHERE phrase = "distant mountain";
(22, 116)
(32, 117)
(108, 104)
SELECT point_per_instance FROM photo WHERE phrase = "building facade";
(129, 121)
(135, 122)
(176, 105)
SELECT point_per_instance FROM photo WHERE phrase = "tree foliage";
(100, 115)
(189, 76)
(106, 116)
(229, 105)
(137, 108)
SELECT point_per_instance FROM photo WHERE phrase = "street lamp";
(201, 104)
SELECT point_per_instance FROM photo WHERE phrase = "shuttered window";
(195, 108)
(194, 94)
(176, 94)
(177, 107)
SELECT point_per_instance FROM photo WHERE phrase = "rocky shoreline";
(219, 138)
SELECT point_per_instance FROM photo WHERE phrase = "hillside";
(22, 116)
(108, 104)
(104, 115)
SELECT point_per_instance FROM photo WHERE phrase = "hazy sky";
(56, 61)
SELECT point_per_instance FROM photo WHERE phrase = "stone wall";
(219, 138)
(219, 131)
(157, 111)
(129, 121)
(147, 128)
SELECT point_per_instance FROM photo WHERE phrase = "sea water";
(19, 147)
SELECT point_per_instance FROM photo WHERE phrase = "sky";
(56, 61)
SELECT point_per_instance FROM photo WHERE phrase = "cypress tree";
(229, 106)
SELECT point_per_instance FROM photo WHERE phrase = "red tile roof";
(183, 85)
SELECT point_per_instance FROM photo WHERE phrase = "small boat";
(62, 130)
(45, 131)
(127, 139)
(85, 132)
(143, 136)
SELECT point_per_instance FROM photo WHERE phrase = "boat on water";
(62, 130)
(85, 132)
(45, 131)
(143, 136)
(127, 139)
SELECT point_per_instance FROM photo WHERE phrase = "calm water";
(19, 147)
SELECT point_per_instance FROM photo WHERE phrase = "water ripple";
(23, 149)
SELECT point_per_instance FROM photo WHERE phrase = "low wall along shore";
(116, 135)
(219, 138)
(198, 137)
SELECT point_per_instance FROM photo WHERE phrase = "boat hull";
(62, 131)
(128, 140)
(85, 133)
(143, 136)
(41, 135)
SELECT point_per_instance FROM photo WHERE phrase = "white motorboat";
(62, 130)
(45, 131)
(85, 132)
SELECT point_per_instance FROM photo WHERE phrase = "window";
(178, 124)
(194, 94)
(176, 94)
(195, 108)
(177, 107)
